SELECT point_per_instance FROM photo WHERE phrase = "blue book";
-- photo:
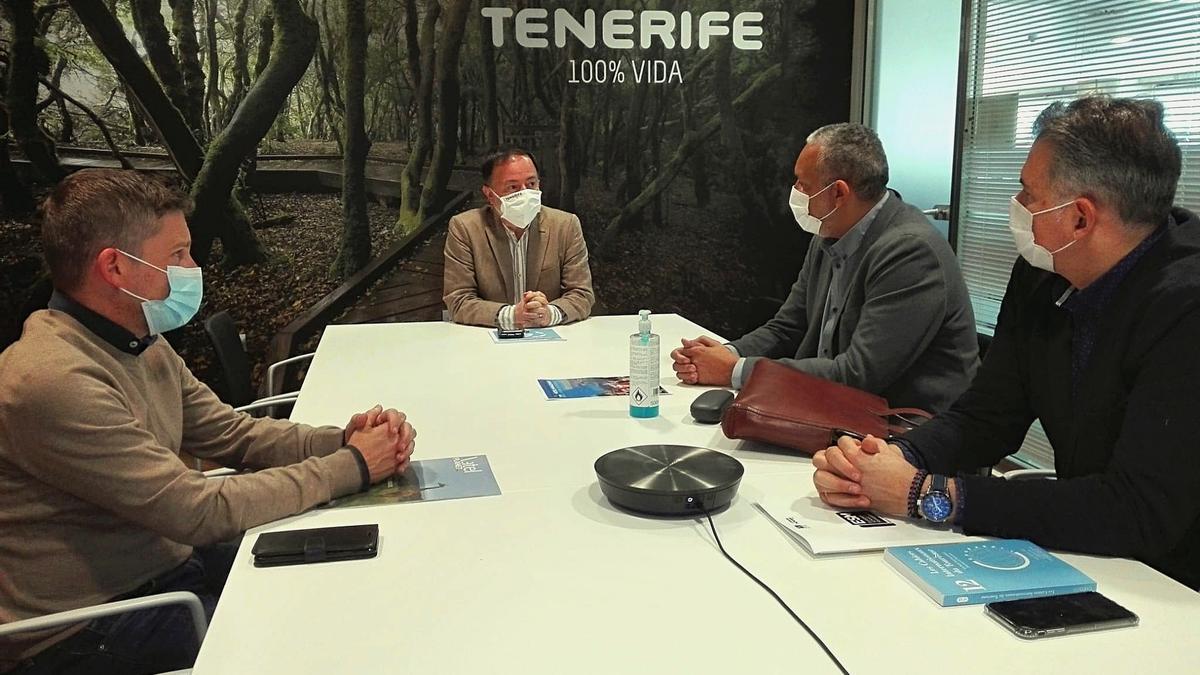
(972, 573)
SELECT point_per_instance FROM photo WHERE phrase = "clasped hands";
(864, 474)
(533, 310)
(385, 439)
(704, 361)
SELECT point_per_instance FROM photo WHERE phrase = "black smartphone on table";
(321, 544)
(1055, 615)
(514, 334)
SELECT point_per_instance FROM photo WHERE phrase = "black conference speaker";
(669, 480)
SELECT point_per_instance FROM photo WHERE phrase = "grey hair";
(853, 153)
(1115, 150)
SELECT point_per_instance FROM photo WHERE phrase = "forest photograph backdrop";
(327, 142)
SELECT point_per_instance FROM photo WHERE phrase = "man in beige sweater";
(95, 502)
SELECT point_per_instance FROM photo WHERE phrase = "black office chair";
(235, 369)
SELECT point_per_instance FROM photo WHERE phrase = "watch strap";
(939, 483)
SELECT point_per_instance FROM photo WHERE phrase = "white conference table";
(550, 578)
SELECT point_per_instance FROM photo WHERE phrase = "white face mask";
(1020, 222)
(799, 203)
(520, 208)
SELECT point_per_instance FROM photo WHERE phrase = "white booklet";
(822, 529)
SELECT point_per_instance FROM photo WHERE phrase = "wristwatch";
(936, 505)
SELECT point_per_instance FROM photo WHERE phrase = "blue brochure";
(430, 480)
(586, 387)
(531, 335)
(972, 573)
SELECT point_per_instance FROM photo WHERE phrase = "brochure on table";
(430, 480)
(587, 387)
(824, 530)
(531, 335)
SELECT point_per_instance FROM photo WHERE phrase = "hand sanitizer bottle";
(643, 369)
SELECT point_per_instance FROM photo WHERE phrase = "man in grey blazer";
(880, 303)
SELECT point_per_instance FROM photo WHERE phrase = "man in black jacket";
(1097, 338)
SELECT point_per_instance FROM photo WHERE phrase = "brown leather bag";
(783, 406)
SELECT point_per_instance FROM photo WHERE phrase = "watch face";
(935, 507)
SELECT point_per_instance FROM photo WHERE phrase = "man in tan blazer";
(515, 263)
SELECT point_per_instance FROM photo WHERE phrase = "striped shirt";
(519, 247)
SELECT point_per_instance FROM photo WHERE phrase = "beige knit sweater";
(94, 499)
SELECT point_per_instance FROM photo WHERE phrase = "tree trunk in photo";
(331, 99)
(169, 124)
(612, 125)
(215, 210)
(731, 138)
(184, 27)
(335, 87)
(241, 62)
(632, 144)
(143, 133)
(266, 40)
(491, 112)
(697, 168)
(15, 196)
(539, 85)
(446, 146)
(464, 126)
(569, 160)
(26, 62)
(66, 133)
(213, 92)
(588, 131)
(148, 21)
(687, 146)
(355, 250)
(656, 134)
(422, 76)
(520, 85)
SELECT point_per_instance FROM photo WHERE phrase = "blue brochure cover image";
(973, 573)
(586, 387)
(430, 480)
(531, 335)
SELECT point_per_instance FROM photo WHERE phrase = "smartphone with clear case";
(1034, 618)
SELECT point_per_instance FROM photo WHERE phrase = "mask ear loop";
(1065, 246)
(835, 208)
(131, 293)
(130, 255)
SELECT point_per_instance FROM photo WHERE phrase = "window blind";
(1023, 55)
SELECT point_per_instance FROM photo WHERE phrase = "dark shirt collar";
(105, 329)
(1096, 296)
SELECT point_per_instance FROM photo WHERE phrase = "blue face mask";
(180, 305)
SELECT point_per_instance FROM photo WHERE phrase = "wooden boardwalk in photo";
(411, 292)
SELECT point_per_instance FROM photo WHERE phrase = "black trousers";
(149, 641)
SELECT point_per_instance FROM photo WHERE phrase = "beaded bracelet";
(914, 492)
